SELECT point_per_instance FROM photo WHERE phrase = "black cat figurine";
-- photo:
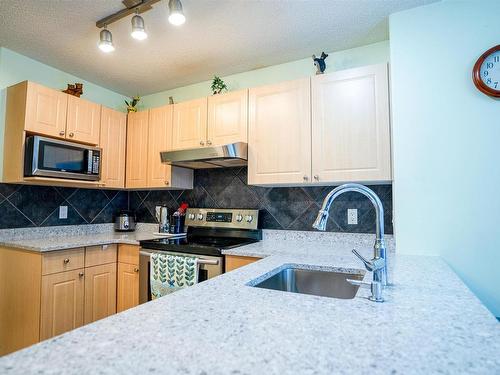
(319, 63)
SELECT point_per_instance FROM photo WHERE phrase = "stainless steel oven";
(209, 266)
(47, 157)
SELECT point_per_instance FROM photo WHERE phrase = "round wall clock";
(486, 72)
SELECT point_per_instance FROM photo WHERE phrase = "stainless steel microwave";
(48, 157)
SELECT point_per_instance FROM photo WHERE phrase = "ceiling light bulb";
(176, 16)
(106, 41)
(138, 31)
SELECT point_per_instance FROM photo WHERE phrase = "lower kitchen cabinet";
(100, 292)
(62, 303)
(235, 261)
(128, 277)
(128, 286)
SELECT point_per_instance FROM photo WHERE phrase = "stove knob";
(191, 216)
(249, 218)
(239, 218)
(200, 216)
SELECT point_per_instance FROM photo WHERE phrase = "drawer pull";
(81, 274)
(66, 261)
(136, 269)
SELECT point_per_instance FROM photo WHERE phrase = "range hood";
(230, 155)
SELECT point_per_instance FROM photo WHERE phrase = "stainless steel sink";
(316, 282)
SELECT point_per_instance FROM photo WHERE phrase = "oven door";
(212, 266)
(53, 158)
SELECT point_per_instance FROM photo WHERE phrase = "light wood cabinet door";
(159, 139)
(62, 302)
(235, 261)
(84, 121)
(45, 111)
(227, 118)
(113, 138)
(190, 124)
(279, 133)
(100, 292)
(128, 286)
(137, 149)
(350, 125)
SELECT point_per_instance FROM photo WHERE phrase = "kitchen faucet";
(377, 265)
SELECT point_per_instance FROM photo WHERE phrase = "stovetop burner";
(210, 231)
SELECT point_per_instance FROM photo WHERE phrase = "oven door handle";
(200, 260)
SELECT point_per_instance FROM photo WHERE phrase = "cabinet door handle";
(61, 132)
(167, 183)
(306, 178)
(202, 143)
(316, 177)
(71, 134)
(66, 261)
(136, 269)
(81, 274)
(209, 142)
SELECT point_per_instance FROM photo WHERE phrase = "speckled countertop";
(68, 237)
(430, 323)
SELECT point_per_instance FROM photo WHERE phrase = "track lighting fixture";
(106, 40)
(175, 17)
(138, 31)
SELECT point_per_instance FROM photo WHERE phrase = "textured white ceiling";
(219, 37)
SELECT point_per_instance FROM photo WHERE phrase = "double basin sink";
(323, 283)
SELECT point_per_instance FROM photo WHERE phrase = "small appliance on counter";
(125, 221)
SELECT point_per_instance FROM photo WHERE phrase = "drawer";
(62, 260)
(129, 254)
(97, 255)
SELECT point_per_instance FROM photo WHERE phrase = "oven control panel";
(222, 218)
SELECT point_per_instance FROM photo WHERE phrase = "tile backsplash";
(29, 206)
(292, 208)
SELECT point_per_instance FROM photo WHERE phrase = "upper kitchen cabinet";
(350, 125)
(189, 124)
(45, 109)
(149, 133)
(227, 118)
(113, 138)
(279, 133)
(137, 149)
(83, 121)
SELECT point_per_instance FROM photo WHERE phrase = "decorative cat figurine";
(319, 63)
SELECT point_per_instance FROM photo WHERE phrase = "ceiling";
(219, 37)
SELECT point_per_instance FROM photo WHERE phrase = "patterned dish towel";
(171, 272)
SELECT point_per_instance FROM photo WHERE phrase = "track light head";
(106, 41)
(176, 16)
(138, 31)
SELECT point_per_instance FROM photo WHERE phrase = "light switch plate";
(352, 216)
(63, 212)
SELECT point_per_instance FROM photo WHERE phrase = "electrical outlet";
(352, 216)
(63, 212)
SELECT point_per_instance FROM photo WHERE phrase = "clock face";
(486, 72)
(490, 71)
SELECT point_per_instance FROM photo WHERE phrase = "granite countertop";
(69, 237)
(429, 323)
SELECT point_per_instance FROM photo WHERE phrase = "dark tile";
(142, 194)
(144, 215)
(214, 180)
(160, 198)
(110, 193)
(88, 202)
(11, 217)
(306, 219)
(176, 194)
(286, 204)
(237, 195)
(197, 197)
(267, 221)
(318, 193)
(259, 191)
(36, 202)
(65, 191)
(120, 201)
(74, 217)
(7, 189)
(106, 215)
(134, 200)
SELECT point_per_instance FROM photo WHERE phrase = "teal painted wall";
(15, 68)
(371, 54)
(446, 141)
